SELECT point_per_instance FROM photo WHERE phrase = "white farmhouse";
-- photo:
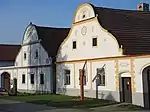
(34, 67)
(114, 45)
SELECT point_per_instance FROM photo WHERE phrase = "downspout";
(54, 75)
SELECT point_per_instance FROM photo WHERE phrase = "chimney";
(143, 7)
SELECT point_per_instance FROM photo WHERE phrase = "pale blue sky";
(15, 15)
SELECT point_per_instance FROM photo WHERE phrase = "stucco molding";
(81, 6)
(74, 67)
(132, 67)
(106, 58)
(143, 67)
(117, 75)
(91, 75)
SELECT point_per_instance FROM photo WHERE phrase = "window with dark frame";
(67, 77)
(41, 78)
(23, 78)
(25, 56)
(100, 76)
(32, 78)
(83, 16)
(36, 54)
(74, 45)
(94, 43)
(84, 77)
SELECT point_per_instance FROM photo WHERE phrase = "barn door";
(126, 88)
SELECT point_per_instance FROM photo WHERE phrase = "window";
(84, 77)
(32, 78)
(100, 77)
(41, 78)
(94, 41)
(36, 54)
(74, 45)
(25, 56)
(83, 16)
(67, 77)
(23, 78)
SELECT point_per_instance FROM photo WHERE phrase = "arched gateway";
(5, 80)
(146, 86)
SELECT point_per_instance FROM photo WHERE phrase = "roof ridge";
(117, 9)
(51, 27)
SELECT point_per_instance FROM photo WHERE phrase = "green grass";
(60, 101)
(130, 107)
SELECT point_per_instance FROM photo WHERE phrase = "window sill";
(66, 84)
(101, 85)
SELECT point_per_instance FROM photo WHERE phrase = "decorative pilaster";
(116, 75)
(91, 74)
(132, 75)
(74, 66)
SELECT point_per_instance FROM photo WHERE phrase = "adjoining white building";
(115, 46)
(7, 58)
(34, 66)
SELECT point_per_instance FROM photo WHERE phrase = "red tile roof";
(8, 52)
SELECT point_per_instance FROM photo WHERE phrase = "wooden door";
(7, 81)
(126, 88)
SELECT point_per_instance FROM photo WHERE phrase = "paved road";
(14, 106)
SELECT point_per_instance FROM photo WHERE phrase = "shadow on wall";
(61, 87)
(32, 58)
(101, 94)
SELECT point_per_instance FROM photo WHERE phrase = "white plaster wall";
(12, 73)
(30, 34)
(79, 66)
(110, 84)
(36, 86)
(124, 65)
(30, 56)
(60, 75)
(20, 72)
(140, 64)
(107, 45)
(30, 45)
(110, 80)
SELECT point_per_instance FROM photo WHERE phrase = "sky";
(15, 15)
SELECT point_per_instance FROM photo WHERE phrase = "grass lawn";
(60, 101)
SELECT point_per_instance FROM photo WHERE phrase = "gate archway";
(5, 80)
(146, 86)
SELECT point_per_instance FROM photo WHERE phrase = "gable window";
(23, 78)
(100, 77)
(67, 77)
(94, 42)
(36, 54)
(84, 76)
(74, 45)
(41, 78)
(25, 56)
(32, 78)
(83, 16)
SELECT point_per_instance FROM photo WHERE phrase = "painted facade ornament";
(84, 30)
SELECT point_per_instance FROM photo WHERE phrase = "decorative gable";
(30, 34)
(84, 12)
